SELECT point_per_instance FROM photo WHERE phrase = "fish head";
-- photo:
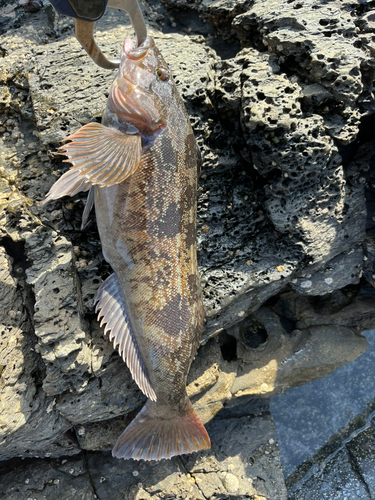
(143, 88)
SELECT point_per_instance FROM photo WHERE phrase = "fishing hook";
(87, 12)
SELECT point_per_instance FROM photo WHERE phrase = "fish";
(140, 165)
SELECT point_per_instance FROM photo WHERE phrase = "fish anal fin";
(150, 437)
(110, 305)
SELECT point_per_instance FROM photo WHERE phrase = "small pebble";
(102, 479)
(271, 441)
(231, 483)
(135, 473)
(27, 481)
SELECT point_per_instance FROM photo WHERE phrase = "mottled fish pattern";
(140, 165)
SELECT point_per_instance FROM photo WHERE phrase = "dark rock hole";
(228, 346)
(16, 250)
(254, 339)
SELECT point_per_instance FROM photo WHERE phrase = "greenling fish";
(140, 165)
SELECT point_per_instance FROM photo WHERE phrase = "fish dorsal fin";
(112, 311)
(100, 156)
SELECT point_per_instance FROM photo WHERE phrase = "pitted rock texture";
(304, 178)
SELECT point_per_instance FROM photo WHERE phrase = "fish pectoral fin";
(100, 156)
(112, 310)
(70, 183)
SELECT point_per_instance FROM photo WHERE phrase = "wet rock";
(343, 466)
(31, 5)
(272, 361)
(47, 479)
(338, 480)
(317, 420)
(362, 454)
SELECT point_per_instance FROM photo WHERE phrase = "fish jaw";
(139, 95)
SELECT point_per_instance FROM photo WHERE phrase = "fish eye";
(162, 74)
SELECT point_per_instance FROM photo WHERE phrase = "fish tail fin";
(150, 437)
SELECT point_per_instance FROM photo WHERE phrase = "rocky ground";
(281, 99)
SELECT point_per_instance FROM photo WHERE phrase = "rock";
(361, 450)
(316, 421)
(351, 308)
(30, 424)
(271, 361)
(65, 479)
(342, 467)
(246, 464)
(293, 151)
(338, 480)
(345, 269)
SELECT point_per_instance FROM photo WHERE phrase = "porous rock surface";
(283, 206)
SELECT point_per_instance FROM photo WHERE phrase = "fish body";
(141, 164)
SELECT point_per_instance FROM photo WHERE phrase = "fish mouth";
(132, 98)
(129, 51)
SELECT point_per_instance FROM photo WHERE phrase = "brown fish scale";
(157, 225)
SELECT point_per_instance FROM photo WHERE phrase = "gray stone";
(337, 481)
(343, 270)
(245, 459)
(43, 480)
(352, 308)
(272, 361)
(306, 192)
(318, 419)
(362, 451)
